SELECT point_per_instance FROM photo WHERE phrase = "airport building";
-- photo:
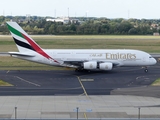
(64, 20)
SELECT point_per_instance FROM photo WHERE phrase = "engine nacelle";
(105, 66)
(90, 65)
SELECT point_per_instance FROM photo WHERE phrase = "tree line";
(86, 26)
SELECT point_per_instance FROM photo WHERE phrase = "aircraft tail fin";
(23, 41)
(25, 44)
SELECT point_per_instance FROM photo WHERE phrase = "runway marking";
(7, 71)
(81, 94)
(133, 69)
(144, 77)
(140, 77)
(28, 81)
(85, 116)
(82, 86)
(85, 80)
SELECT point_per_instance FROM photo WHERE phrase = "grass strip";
(156, 82)
(146, 43)
(3, 83)
(10, 63)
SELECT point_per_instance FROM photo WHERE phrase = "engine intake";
(90, 65)
(105, 66)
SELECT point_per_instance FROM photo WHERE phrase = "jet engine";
(105, 66)
(90, 65)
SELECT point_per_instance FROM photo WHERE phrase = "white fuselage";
(116, 57)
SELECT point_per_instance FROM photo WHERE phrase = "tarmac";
(79, 83)
(120, 93)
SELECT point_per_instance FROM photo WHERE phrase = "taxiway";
(118, 81)
(57, 94)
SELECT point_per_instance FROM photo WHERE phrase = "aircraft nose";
(154, 61)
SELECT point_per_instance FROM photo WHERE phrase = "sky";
(147, 9)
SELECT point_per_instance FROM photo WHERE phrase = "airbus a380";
(80, 59)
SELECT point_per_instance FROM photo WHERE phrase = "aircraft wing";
(75, 63)
(80, 63)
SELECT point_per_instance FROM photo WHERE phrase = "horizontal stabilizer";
(21, 54)
(4, 54)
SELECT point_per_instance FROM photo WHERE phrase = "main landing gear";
(81, 70)
(145, 69)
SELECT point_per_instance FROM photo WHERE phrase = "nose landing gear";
(146, 70)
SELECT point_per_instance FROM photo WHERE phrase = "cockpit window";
(150, 57)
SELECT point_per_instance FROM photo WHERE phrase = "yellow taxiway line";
(82, 86)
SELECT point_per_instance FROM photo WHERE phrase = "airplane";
(79, 59)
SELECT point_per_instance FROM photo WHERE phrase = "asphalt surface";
(128, 81)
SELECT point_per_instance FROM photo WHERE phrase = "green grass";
(10, 63)
(156, 82)
(149, 44)
(3, 83)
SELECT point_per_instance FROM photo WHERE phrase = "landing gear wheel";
(146, 70)
(79, 70)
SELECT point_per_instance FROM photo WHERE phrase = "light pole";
(139, 109)
(77, 113)
(15, 112)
